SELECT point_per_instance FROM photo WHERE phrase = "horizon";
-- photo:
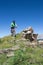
(25, 12)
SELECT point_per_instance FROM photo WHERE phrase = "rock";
(34, 43)
(16, 47)
(5, 50)
(10, 54)
(9, 49)
(35, 36)
(28, 29)
(1, 51)
(28, 34)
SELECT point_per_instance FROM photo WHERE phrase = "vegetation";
(23, 56)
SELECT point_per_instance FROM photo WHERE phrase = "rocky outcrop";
(29, 34)
(9, 51)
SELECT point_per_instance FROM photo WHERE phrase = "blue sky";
(25, 12)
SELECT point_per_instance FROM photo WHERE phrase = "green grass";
(24, 56)
(31, 56)
(2, 58)
(7, 42)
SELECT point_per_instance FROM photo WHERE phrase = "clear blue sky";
(25, 12)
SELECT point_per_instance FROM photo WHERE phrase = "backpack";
(12, 25)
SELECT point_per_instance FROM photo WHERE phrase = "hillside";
(19, 51)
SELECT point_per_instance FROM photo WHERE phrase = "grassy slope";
(8, 41)
(24, 56)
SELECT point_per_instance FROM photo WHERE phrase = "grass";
(24, 56)
(2, 58)
(28, 57)
(31, 56)
(7, 42)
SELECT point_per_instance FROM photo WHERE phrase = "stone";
(30, 29)
(1, 52)
(10, 54)
(5, 50)
(35, 36)
(29, 34)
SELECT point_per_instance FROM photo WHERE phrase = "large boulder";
(29, 34)
(28, 29)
